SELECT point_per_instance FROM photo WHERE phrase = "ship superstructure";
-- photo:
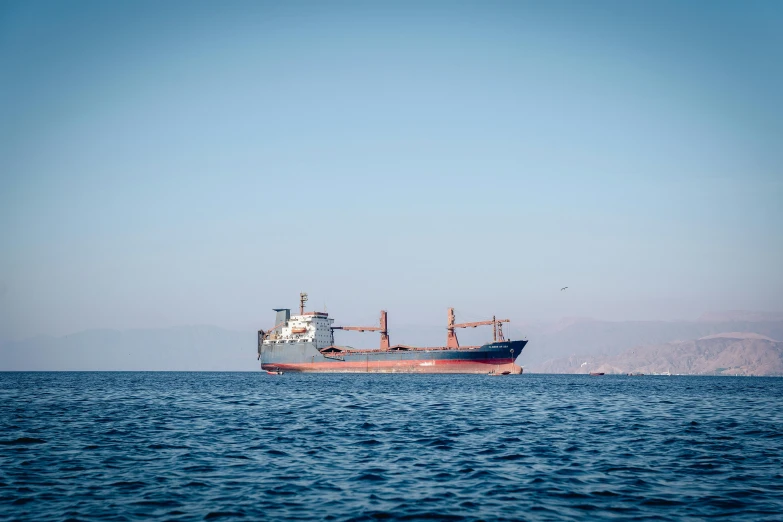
(308, 327)
(305, 343)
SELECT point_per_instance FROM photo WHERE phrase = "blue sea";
(247, 446)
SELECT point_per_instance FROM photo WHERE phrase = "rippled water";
(195, 446)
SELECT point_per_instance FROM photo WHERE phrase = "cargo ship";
(305, 343)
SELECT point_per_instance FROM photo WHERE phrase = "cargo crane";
(451, 336)
(382, 328)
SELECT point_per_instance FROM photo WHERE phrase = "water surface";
(233, 446)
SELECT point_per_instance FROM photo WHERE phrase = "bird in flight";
(563, 288)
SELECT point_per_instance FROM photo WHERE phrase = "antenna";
(302, 301)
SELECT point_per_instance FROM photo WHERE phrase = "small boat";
(636, 374)
(274, 372)
(493, 373)
(595, 374)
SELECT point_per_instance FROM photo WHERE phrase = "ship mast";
(302, 301)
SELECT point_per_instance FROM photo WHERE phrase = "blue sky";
(191, 163)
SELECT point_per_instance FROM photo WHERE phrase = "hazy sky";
(166, 163)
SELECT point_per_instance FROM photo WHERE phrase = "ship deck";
(334, 349)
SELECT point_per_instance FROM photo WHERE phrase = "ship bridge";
(307, 327)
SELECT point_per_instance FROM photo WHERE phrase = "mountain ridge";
(208, 347)
(709, 356)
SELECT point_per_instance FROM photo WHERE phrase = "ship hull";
(495, 357)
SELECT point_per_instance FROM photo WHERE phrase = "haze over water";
(233, 446)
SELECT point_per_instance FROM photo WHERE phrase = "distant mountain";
(742, 315)
(211, 348)
(187, 348)
(728, 354)
(738, 335)
(592, 337)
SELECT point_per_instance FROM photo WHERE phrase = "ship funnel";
(283, 315)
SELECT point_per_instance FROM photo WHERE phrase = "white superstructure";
(310, 327)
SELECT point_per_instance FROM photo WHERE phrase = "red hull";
(412, 366)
